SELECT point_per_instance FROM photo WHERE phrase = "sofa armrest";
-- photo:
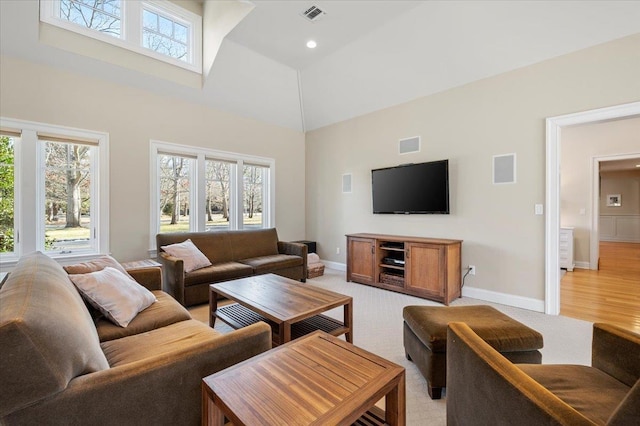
(483, 387)
(172, 276)
(295, 249)
(161, 389)
(150, 277)
(616, 351)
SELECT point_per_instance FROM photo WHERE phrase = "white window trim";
(131, 29)
(28, 222)
(198, 185)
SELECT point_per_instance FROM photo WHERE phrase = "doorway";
(554, 126)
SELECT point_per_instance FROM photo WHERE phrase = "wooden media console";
(425, 267)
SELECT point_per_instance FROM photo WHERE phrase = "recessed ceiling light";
(311, 44)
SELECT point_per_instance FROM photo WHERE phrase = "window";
(253, 194)
(155, 28)
(218, 195)
(104, 16)
(60, 176)
(7, 193)
(175, 192)
(196, 189)
(67, 196)
(165, 35)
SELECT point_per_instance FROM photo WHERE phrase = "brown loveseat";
(484, 388)
(57, 367)
(233, 254)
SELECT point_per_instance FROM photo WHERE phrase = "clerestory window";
(156, 28)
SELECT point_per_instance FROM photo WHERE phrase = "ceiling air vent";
(313, 13)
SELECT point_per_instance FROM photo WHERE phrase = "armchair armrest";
(616, 351)
(483, 387)
(173, 276)
(161, 389)
(150, 277)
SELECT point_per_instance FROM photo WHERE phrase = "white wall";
(579, 145)
(468, 125)
(132, 117)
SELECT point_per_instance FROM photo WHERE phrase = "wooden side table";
(317, 379)
(141, 264)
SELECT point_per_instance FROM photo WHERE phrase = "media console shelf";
(425, 267)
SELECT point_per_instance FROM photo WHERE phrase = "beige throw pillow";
(189, 253)
(116, 295)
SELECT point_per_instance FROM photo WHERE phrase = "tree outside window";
(175, 193)
(7, 194)
(218, 197)
(67, 206)
(253, 195)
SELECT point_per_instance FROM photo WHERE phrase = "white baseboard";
(583, 265)
(477, 293)
(504, 298)
(334, 265)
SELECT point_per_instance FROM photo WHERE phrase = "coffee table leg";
(348, 321)
(213, 306)
(285, 332)
(211, 414)
(395, 404)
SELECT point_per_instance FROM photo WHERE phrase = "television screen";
(412, 189)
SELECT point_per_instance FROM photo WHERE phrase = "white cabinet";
(566, 249)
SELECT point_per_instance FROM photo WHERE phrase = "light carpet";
(377, 319)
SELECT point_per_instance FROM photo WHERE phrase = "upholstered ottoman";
(425, 338)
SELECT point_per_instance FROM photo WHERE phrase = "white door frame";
(552, 219)
(594, 239)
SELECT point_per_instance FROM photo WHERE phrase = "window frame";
(30, 191)
(131, 26)
(197, 223)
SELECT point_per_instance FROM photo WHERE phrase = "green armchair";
(485, 388)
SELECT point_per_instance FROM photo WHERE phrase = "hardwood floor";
(611, 294)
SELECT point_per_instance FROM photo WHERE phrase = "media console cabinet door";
(361, 267)
(425, 269)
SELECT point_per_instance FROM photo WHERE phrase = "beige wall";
(132, 118)
(468, 125)
(579, 145)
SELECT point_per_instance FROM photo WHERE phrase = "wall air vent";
(313, 13)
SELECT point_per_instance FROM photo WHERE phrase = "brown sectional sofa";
(233, 254)
(484, 388)
(58, 366)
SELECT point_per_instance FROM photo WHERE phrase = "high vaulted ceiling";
(370, 54)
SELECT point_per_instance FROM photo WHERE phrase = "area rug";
(378, 328)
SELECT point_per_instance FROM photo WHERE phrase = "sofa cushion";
(96, 265)
(165, 340)
(46, 333)
(256, 243)
(588, 390)
(265, 264)
(165, 311)
(114, 294)
(190, 254)
(217, 272)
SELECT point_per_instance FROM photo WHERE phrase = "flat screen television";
(421, 188)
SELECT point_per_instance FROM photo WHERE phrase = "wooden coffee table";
(293, 309)
(318, 379)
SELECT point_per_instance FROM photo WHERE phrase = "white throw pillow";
(116, 295)
(189, 253)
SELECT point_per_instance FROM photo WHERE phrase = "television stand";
(424, 267)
